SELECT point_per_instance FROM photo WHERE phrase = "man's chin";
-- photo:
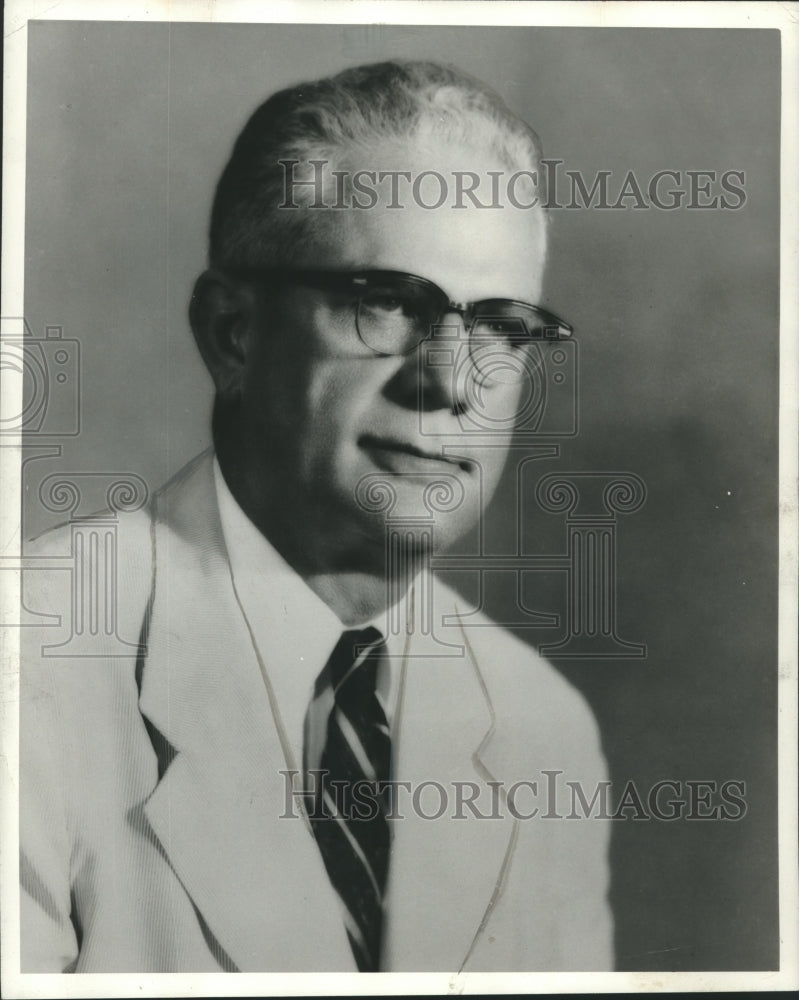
(428, 512)
(423, 496)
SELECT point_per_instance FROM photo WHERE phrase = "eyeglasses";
(396, 311)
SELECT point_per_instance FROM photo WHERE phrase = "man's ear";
(221, 313)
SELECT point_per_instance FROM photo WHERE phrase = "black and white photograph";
(399, 498)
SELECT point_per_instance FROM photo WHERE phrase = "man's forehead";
(470, 254)
(456, 215)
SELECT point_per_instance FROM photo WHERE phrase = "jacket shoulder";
(93, 572)
(539, 715)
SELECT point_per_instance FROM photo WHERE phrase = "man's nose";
(436, 374)
(445, 370)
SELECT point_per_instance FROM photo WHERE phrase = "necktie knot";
(353, 667)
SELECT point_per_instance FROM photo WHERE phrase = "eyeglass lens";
(395, 316)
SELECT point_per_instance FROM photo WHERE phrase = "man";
(250, 789)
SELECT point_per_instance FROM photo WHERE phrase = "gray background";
(677, 317)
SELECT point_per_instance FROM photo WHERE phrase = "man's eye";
(388, 304)
(500, 326)
(511, 330)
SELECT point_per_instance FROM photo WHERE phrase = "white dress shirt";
(294, 632)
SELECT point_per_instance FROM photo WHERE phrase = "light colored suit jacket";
(151, 792)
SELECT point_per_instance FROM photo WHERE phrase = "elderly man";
(309, 760)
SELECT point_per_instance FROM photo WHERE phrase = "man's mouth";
(402, 456)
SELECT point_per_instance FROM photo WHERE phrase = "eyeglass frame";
(338, 280)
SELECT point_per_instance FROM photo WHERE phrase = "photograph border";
(780, 16)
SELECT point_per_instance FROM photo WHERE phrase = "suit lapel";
(444, 870)
(258, 881)
(255, 879)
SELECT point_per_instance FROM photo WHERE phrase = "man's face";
(330, 421)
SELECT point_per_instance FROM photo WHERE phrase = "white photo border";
(781, 16)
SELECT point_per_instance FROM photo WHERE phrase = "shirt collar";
(293, 627)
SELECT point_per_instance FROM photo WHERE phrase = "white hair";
(339, 116)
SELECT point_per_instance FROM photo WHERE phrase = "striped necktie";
(348, 810)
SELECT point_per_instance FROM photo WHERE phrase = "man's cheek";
(344, 401)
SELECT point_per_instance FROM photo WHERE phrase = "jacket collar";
(258, 880)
